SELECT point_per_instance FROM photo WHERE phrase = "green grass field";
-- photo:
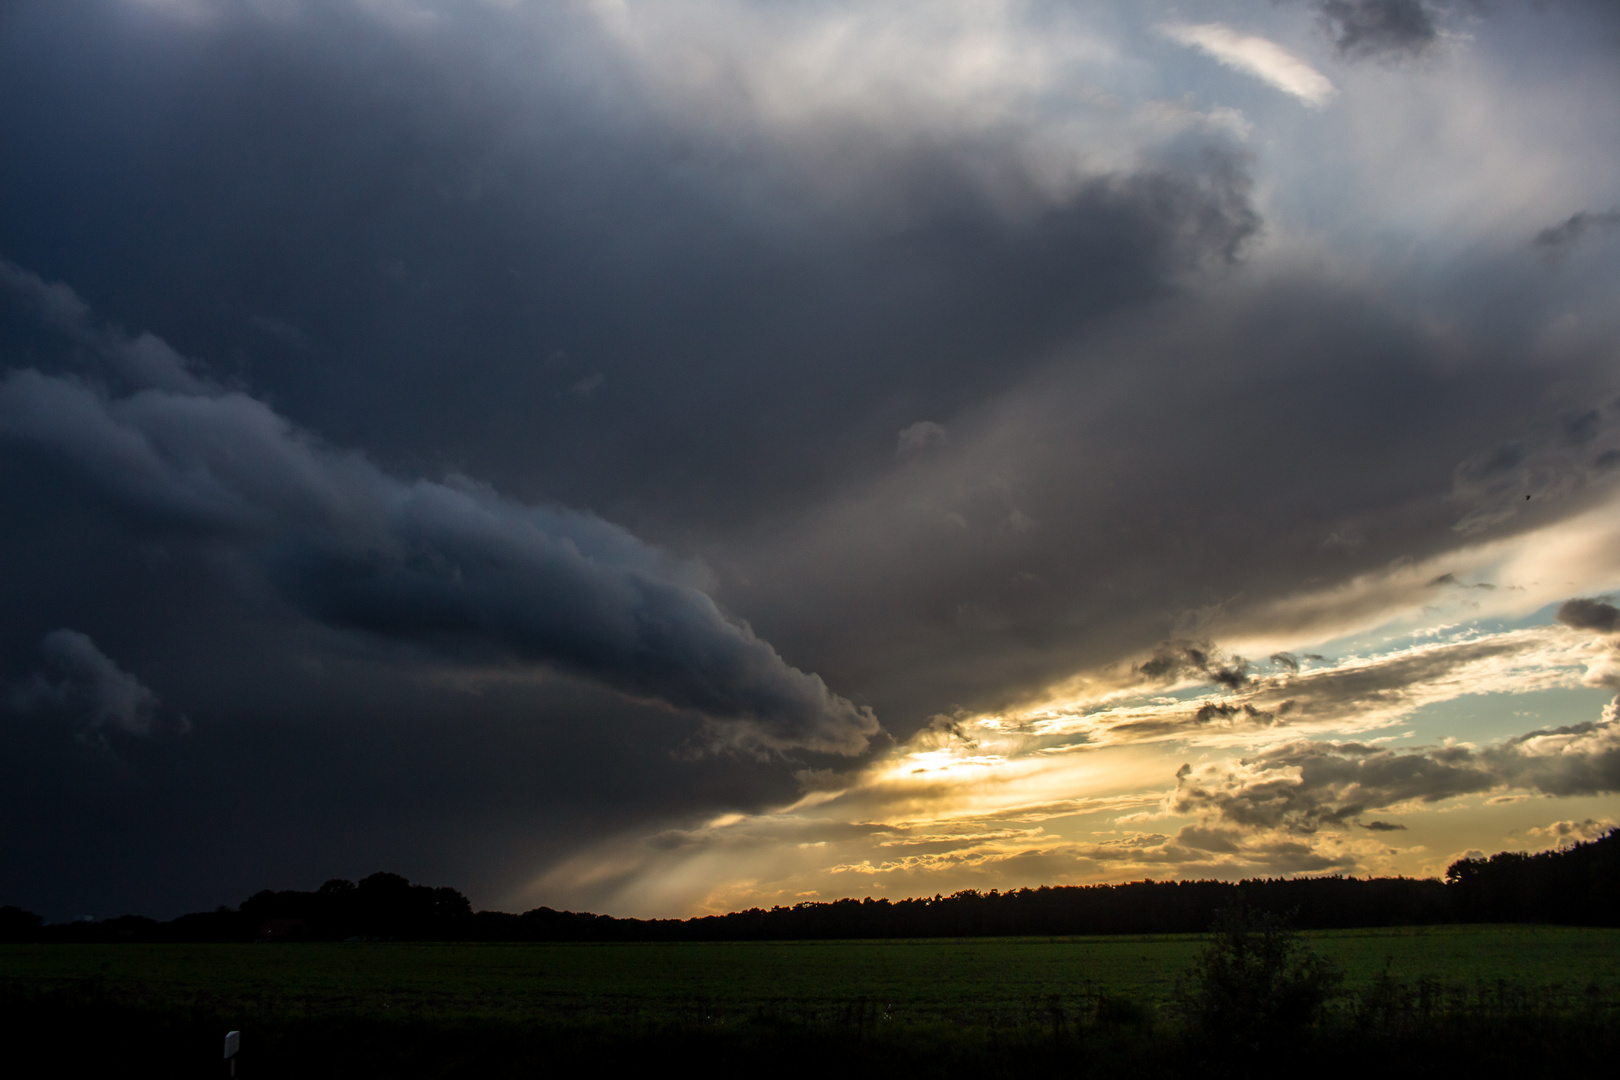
(975, 981)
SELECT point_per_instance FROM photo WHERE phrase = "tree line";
(1577, 885)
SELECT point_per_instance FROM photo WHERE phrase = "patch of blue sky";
(1486, 718)
(1394, 637)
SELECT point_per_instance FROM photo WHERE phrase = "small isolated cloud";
(1257, 56)
(1384, 28)
(86, 684)
(919, 437)
(1582, 613)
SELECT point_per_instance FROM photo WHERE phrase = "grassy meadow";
(514, 1007)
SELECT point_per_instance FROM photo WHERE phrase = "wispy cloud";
(1257, 56)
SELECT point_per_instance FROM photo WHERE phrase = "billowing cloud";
(1257, 56)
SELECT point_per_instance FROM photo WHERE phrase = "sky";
(663, 458)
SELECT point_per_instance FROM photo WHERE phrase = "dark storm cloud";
(477, 245)
(1363, 28)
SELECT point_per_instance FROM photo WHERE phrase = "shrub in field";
(1255, 983)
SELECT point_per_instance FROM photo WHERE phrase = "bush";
(1255, 984)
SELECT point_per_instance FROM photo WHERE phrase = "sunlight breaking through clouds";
(1059, 792)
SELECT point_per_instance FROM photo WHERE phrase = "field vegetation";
(1538, 996)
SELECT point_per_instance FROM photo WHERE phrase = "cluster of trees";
(381, 907)
(1576, 885)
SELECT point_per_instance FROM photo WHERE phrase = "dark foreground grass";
(1528, 1001)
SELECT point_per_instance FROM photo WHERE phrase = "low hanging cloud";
(88, 686)
(1257, 56)
(450, 567)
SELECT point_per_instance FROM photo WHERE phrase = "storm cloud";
(450, 566)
